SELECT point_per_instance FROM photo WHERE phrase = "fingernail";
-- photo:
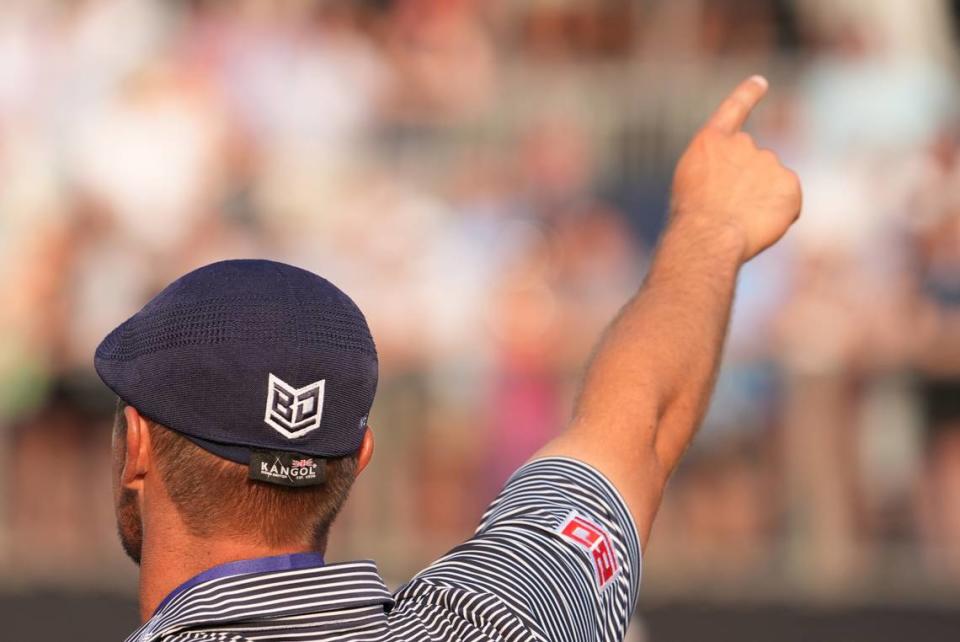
(760, 80)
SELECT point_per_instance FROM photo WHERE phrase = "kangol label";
(286, 468)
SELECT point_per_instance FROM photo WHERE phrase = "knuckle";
(792, 180)
(793, 190)
(740, 101)
(707, 135)
(769, 156)
(702, 142)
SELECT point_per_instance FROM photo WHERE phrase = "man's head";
(212, 497)
(244, 392)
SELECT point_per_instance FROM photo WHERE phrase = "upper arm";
(557, 548)
(629, 462)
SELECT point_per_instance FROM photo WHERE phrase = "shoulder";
(441, 611)
(556, 555)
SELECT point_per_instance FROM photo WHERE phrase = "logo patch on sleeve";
(595, 542)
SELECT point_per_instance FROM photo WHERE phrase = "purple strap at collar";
(291, 562)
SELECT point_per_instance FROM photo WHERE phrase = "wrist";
(703, 236)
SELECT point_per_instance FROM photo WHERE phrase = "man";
(244, 391)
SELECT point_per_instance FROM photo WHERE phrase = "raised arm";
(648, 385)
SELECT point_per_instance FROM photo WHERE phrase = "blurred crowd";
(487, 180)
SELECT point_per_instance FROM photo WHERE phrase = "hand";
(723, 179)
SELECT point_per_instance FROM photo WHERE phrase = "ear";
(366, 450)
(137, 459)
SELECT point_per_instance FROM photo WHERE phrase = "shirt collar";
(293, 561)
(196, 602)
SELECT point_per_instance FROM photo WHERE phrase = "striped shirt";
(556, 557)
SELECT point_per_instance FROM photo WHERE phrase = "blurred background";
(487, 179)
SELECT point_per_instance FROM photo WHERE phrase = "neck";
(169, 560)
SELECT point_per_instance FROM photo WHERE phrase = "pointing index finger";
(733, 111)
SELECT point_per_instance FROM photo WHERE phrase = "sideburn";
(126, 508)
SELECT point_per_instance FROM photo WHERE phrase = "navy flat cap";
(245, 356)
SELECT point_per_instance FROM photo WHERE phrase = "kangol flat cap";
(245, 356)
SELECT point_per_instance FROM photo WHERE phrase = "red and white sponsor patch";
(595, 542)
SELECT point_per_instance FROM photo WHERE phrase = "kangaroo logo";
(293, 412)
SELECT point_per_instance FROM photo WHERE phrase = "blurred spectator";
(487, 179)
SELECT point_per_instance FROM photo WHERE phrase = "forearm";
(648, 386)
(650, 380)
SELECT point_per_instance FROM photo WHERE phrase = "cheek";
(129, 524)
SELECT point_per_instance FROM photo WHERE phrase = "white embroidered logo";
(293, 412)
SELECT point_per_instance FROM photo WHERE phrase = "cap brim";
(237, 454)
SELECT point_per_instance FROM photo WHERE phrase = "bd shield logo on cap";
(293, 412)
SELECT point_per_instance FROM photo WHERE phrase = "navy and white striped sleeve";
(557, 553)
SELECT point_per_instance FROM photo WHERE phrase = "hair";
(214, 496)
